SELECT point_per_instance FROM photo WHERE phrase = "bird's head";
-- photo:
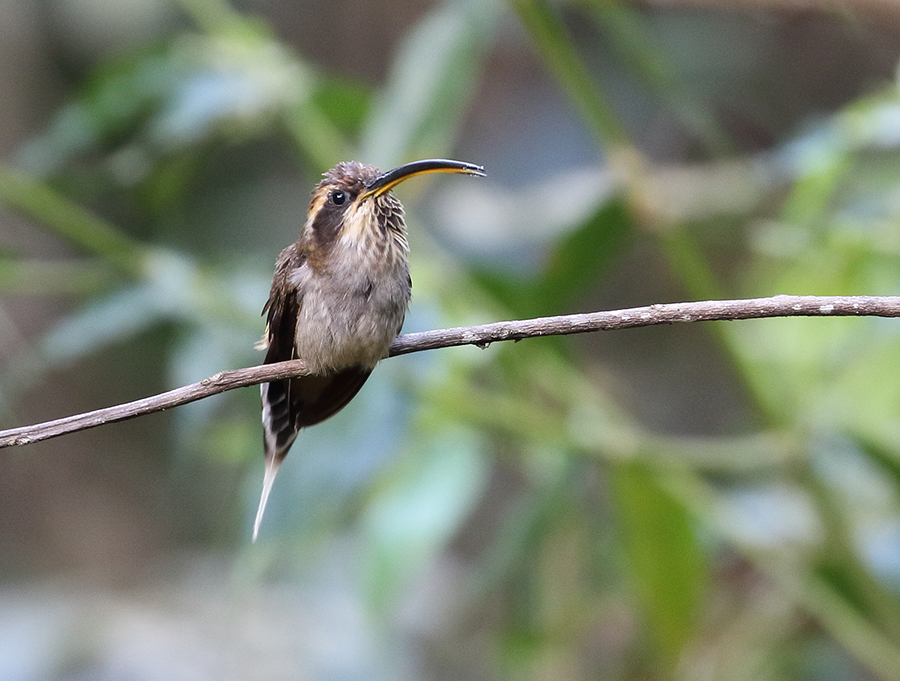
(354, 202)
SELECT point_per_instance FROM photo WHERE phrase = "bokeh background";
(716, 501)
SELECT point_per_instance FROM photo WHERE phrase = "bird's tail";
(279, 430)
(272, 465)
(292, 404)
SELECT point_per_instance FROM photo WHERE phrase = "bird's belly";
(350, 321)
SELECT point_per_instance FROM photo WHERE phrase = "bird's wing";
(316, 398)
(296, 403)
(281, 311)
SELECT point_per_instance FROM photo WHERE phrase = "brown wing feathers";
(298, 402)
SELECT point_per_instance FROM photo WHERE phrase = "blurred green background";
(703, 502)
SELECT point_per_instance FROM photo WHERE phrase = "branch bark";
(481, 336)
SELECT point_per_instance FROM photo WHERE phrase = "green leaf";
(344, 102)
(578, 260)
(584, 255)
(194, 90)
(864, 398)
(558, 51)
(664, 560)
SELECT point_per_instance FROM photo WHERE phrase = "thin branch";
(218, 383)
(482, 336)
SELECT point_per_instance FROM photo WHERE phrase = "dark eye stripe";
(327, 223)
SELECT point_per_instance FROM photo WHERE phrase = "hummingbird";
(338, 299)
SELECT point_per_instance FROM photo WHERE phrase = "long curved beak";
(387, 181)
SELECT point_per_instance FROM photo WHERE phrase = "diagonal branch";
(482, 336)
(218, 383)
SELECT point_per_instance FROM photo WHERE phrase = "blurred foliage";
(576, 541)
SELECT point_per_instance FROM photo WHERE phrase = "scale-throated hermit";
(338, 299)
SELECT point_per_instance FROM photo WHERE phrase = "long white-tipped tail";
(272, 465)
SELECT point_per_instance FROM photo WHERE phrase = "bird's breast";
(351, 311)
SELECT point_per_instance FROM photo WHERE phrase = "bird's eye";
(338, 197)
